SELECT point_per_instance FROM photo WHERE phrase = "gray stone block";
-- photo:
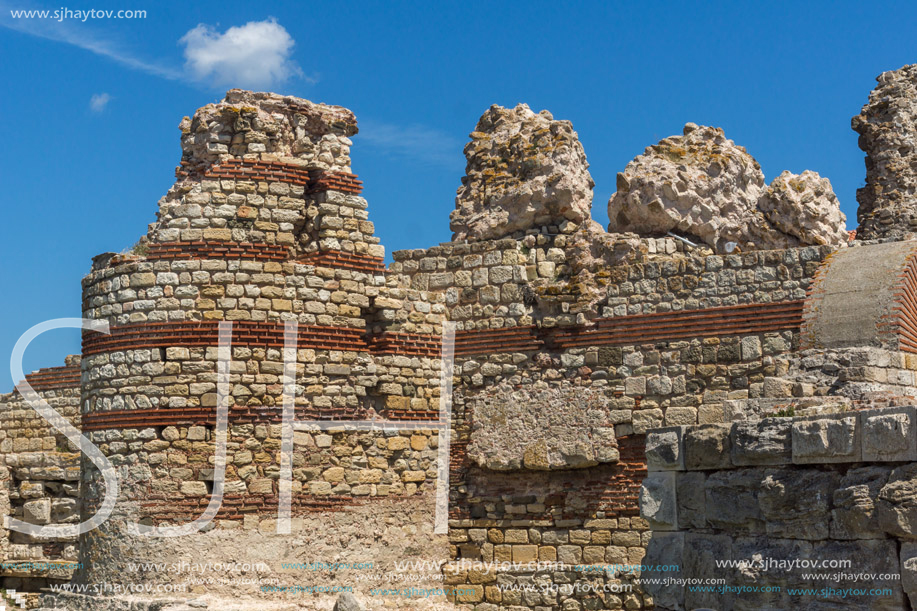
(707, 446)
(690, 497)
(854, 515)
(657, 501)
(897, 503)
(767, 558)
(762, 442)
(37, 512)
(796, 503)
(876, 556)
(908, 563)
(826, 439)
(732, 501)
(665, 449)
(664, 549)
(701, 554)
(889, 434)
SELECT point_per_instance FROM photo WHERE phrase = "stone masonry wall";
(39, 479)
(823, 488)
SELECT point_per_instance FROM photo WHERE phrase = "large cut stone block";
(826, 439)
(762, 442)
(665, 450)
(854, 515)
(732, 501)
(889, 434)
(764, 573)
(690, 495)
(664, 550)
(796, 503)
(897, 504)
(657, 501)
(701, 554)
(707, 447)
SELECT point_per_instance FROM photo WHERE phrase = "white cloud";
(99, 101)
(418, 142)
(253, 56)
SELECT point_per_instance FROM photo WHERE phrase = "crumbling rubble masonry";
(708, 377)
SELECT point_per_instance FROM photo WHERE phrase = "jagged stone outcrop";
(888, 134)
(525, 170)
(701, 185)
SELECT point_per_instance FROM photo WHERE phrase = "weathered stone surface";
(664, 549)
(878, 557)
(830, 439)
(897, 504)
(541, 429)
(888, 434)
(524, 170)
(657, 501)
(37, 512)
(908, 563)
(796, 503)
(701, 185)
(664, 451)
(802, 206)
(854, 515)
(701, 554)
(762, 442)
(732, 501)
(707, 447)
(691, 498)
(764, 558)
(887, 125)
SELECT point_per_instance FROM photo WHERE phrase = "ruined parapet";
(887, 126)
(524, 171)
(702, 186)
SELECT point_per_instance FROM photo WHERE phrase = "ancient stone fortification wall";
(826, 487)
(39, 479)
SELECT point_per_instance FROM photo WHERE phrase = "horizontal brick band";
(313, 180)
(54, 378)
(205, 334)
(217, 250)
(180, 509)
(637, 329)
(344, 260)
(238, 414)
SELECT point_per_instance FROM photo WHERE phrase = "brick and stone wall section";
(39, 477)
(824, 487)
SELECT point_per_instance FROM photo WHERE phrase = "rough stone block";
(767, 556)
(826, 439)
(876, 556)
(762, 442)
(657, 501)
(796, 503)
(707, 446)
(854, 515)
(732, 501)
(888, 434)
(37, 512)
(908, 563)
(897, 503)
(664, 449)
(700, 556)
(690, 496)
(664, 549)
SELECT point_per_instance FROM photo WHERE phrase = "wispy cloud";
(99, 101)
(255, 55)
(84, 37)
(419, 143)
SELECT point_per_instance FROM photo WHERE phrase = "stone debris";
(887, 126)
(704, 187)
(524, 170)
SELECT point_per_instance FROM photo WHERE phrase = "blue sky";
(90, 108)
